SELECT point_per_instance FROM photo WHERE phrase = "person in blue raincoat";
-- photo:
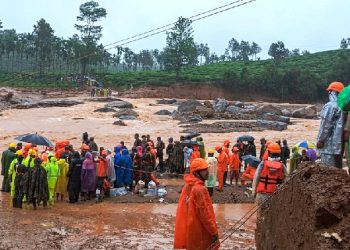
(127, 166)
(329, 139)
(117, 166)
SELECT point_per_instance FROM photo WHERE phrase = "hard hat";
(12, 145)
(211, 151)
(217, 148)
(198, 164)
(226, 142)
(235, 149)
(336, 86)
(32, 152)
(104, 152)
(19, 152)
(274, 148)
(27, 145)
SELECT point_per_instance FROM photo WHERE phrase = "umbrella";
(35, 139)
(251, 160)
(305, 144)
(246, 138)
(188, 143)
(192, 135)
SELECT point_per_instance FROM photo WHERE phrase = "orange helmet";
(198, 164)
(335, 86)
(274, 148)
(217, 148)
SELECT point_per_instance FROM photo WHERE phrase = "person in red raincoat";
(195, 226)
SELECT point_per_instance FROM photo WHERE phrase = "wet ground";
(109, 226)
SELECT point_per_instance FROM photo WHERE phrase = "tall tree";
(343, 44)
(233, 48)
(180, 50)
(90, 33)
(255, 49)
(278, 51)
(244, 51)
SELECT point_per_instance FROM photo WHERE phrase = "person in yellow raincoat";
(29, 160)
(62, 181)
(53, 172)
(13, 169)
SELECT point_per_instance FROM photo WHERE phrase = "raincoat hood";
(125, 152)
(190, 179)
(88, 155)
(53, 159)
(117, 149)
(333, 96)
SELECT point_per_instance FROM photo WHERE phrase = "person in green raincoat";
(201, 147)
(212, 168)
(294, 160)
(29, 160)
(53, 172)
(7, 157)
(13, 169)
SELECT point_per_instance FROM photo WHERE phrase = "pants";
(211, 191)
(34, 202)
(332, 160)
(6, 184)
(18, 196)
(52, 186)
(221, 175)
(234, 174)
(161, 163)
(225, 177)
(73, 196)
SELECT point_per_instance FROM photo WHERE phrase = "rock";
(119, 123)
(167, 101)
(308, 112)
(268, 108)
(126, 112)
(286, 112)
(272, 125)
(119, 104)
(163, 112)
(233, 109)
(104, 110)
(239, 104)
(208, 104)
(205, 112)
(127, 117)
(220, 105)
(188, 106)
(250, 107)
(274, 117)
(48, 103)
(102, 99)
(195, 118)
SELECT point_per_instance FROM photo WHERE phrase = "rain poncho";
(53, 172)
(178, 160)
(12, 173)
(62, 181)
(294, 160)
(331, 130)
(29, 161)
(74, 174)
(7, 157)
(195, 224)
(212, 168)
(124, 173)
(110, 168)
(201, 146)
(187, 156)
(88, 174)
(117, 164)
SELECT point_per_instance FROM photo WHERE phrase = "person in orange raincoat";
(226, 149)
(222, 167)
(195, 153)
(248, 174)
(195, 226)
(235, 164)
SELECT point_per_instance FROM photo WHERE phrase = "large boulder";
(268, 108)
(119, 104)
(127, 117)
(205, 112)
(220, 105)
(163, 112)
(47, 104)
(239, 104)
(104, 110)
(271, 125)
(195, 118)
(308, 112)
(274, 117)
(234, 110)
(286, 112)
(188, 106)
(208, 104)
(125, 112)
(167, 101)
(119, 123)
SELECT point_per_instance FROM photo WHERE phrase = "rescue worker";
(263, 148)
(222, 167)
(13, 170)
(269, 174)
(201, 146)
(226, 149)
(88, 177)
(29, 160)
(101, 175)
(127, 165)
(187, 158)
(248, 174)
(19, 188)
(53, 172)
(330, 139)
(7, 157)
(178, 162)
(62, 181)
(294, 160)
(212, 168)
(170, 152)
(195, 153)
(195, 226)
(234, 165)
(74, 175)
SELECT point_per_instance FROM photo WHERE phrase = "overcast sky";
(313, 25)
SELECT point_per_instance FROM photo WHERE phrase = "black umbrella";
(251, 160)
(246, 138)
(191, 136)
(188, 143)
(35, 139)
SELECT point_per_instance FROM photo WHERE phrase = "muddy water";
(110, 225)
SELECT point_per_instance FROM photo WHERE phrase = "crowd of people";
(100, 92)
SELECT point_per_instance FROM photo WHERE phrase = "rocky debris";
(119, 104)
(104, 110)
(47, 103)
(205, 112)
(239, 104)
(220, 105)
(208, 104)
(268, 108)
(6, 96)
(307, 112)
(163, 112)
(313, 204)
(221, 127)
(195, 118)
(167, 101)
(234, 109)
(272, 125)
(274, 117)
(126, 113)
(188, 106)
(102, 99)
(119, 123)
(286, 112)
(127, 117)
